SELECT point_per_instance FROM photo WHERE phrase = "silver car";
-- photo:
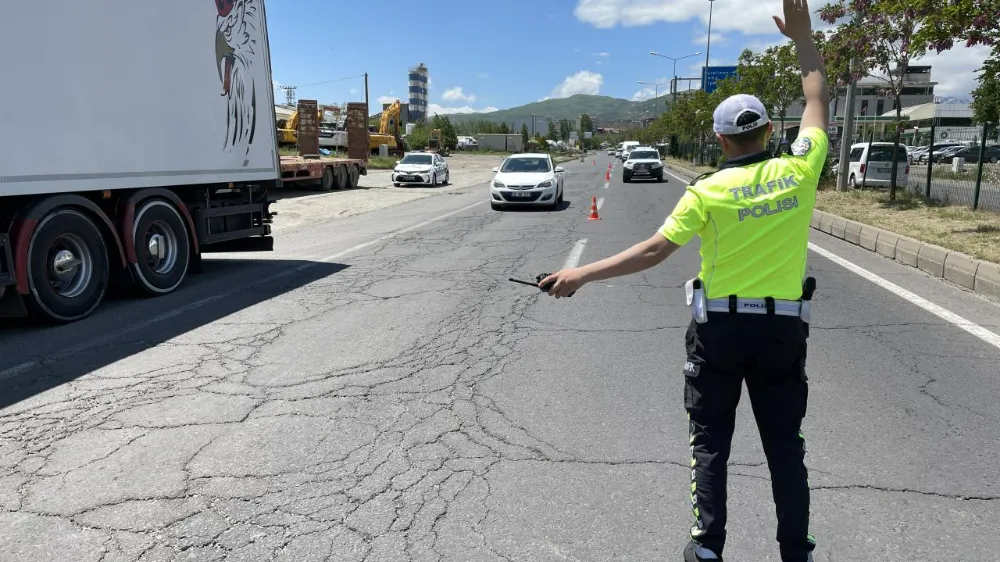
(527, 179)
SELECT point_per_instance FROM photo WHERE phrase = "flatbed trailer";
(327, 173)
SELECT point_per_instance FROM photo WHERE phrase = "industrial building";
(417, 107)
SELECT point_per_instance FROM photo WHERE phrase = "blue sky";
(490, 54)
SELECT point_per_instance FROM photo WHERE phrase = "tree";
(525, 137)
(986, 96)
(447, 130)
(564, 129)
(586, 124)
(553, 133)
(881, 35)
(504, 129)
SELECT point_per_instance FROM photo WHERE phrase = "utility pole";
(368, 109)
(532, 124)
(845, 145)
(708, 48)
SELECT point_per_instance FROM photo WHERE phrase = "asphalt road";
(377, 390)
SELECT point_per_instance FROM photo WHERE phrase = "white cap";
(732, 108)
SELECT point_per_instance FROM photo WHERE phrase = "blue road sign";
(712, 74)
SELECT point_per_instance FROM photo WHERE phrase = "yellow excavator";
(288, 129)
(388, 131)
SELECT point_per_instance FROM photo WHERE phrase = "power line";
(332, 81)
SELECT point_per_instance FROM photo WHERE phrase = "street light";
(708, 48)
(656, 96)
(675, 59)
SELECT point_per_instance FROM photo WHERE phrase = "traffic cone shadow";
(593, 210)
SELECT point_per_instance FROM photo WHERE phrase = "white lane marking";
(607, 185)
(573, 259)
(17, 369)
(943, 313)
(600, 202)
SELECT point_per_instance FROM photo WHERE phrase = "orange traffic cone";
(593, 210)
(607, 175)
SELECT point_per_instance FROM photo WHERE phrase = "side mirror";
(560, 169)
(497, 169)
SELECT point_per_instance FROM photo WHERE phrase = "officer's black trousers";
(769, 353)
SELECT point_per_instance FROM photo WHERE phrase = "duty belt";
(700, 306)
(754, 306)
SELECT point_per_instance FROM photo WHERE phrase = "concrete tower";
(418, 93)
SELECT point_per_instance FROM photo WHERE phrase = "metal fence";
(971, 179)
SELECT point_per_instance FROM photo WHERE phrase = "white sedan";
(424, 168)
(527, 179)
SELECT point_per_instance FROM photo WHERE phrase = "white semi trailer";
(135, 137)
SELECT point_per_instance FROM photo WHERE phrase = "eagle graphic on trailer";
(238, 44)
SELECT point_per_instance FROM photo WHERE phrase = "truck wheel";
(162, 247)
(343, 178)
(68, 269)
(354, 176)
(327, 182)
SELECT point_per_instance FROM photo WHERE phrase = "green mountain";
(603, 109)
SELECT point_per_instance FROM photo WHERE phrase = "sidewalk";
(976, 275)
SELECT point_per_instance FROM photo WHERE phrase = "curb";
(963, 270)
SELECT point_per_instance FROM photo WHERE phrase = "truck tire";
(328, 181)
(354, 176)
(68, 268)
(343, 178)
(162, 247)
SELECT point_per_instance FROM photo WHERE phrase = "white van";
(627, 147)
(878, 161)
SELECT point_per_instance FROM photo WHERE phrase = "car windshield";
(424, 159)
(643, 155)
(530, 165)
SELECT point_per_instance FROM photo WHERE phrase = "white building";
(871, 98)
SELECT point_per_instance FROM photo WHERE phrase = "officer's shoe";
(694, 552)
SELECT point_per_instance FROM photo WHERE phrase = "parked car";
(528, 179)
(876, 159)
(643, 162)
(971, 154)
(424, 168)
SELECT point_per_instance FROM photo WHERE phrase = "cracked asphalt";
(375, 390)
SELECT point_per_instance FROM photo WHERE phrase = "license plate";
(883, 170)
(411, 178)
(521, 194)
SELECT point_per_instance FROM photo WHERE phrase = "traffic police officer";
(749, 302)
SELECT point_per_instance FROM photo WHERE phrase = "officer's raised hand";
(797, 23)
(563, 283)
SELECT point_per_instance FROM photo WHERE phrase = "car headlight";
(657, 164)
(498, 183)
(546, 183)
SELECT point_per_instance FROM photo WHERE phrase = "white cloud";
(702, 39)
(745, 16)
(602, 54)
(576, 50)
(955, 70)
(648, 92)
(435, 109)
(583, 82)
(456, 94)
(355, 91)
